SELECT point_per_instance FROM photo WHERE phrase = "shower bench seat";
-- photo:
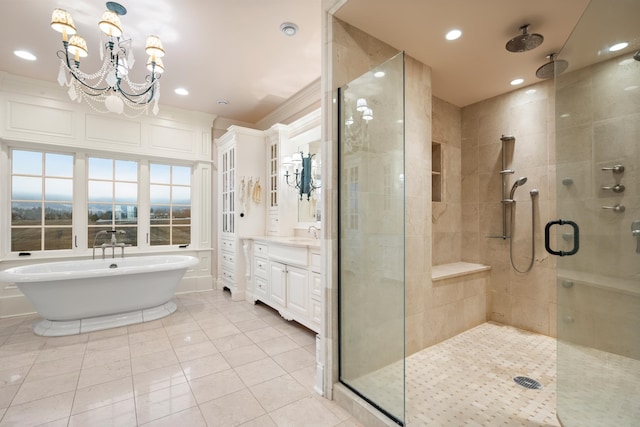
(456, 269)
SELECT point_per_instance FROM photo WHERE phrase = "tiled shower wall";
(526, 301)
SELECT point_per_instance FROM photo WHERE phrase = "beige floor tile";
(13, 376)
(296, 359)
(240, 316)
(204, 366)
(155, 345)
(145, 326)
(195, 351)
(232, 341)
(278, 392)
(263, 421)
(182, 328)
(104, 394)
(108, 333)
(220, 331)
(7, 394)
(278, 345)
(52, 368)
(191, 417)
(52, 342)
(188, 338)
(108, 343)
(153, 361)
(216, 385)
(57, 353)
(161, 403)
(120, 414)
(305, 376)
(211, 320)
(243, 355)
(7, 350)
(157, 379)
(102, 357)
(147, 335)
(38, 412)
(306, 412)
(251, 325)
(304, 338)
(39, 389)
(104, 373)
(19, 360)
(256, 372)
(232, 409)
(264, 334)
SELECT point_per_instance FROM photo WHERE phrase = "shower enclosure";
(598, 188)
(371, 237)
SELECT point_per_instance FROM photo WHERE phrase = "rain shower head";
(520, 181)
(525, 41)
(554, 66)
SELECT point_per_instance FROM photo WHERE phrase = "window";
(112, 196)
(41, 201)
(170, 211)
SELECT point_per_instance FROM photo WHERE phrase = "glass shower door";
(598, 188)
(371, 236)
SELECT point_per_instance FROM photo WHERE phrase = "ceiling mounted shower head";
(524, 41)
(551, 68)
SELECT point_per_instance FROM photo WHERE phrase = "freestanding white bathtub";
(89, 295)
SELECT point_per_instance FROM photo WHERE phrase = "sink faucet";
(314, 229)
(113, 244)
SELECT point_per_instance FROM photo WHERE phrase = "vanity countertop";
(288, 240)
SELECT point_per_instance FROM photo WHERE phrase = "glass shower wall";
(371, 236)
(598, 187)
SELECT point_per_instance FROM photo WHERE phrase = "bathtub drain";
(528, 383)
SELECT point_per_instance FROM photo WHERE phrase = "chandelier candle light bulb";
(110, 86)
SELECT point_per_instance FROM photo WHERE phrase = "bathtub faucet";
(113, 243)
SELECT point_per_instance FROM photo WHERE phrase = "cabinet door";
(298, 291)
(278, 283)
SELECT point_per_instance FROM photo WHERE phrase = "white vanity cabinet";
(241, 207)
(282, 207)
(291, 285)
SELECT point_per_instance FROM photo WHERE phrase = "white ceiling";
(234, 50)
(216, 49)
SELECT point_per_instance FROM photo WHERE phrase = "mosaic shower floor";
(468, 380)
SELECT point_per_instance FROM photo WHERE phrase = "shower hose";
(533, 242)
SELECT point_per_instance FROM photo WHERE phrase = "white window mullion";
(80, 204)
(144, 205)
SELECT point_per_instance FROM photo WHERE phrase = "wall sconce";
(302, 178)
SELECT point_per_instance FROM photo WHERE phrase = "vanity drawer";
(228, 277)
(260, 266)
(228, 260)
(315, 262)
(289, 254)
(228, 245)
(261, 250)
(260, 287)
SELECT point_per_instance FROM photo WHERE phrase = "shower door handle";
(576, 237)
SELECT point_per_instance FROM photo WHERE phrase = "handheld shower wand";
(520, 181)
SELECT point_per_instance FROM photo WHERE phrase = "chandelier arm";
(130, 96)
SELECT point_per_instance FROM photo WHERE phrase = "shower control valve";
(615, 169)
(618, 188)
(616, 208)
(635, 232)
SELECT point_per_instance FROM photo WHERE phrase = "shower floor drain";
(528, 383)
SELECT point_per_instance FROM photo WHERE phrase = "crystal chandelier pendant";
(72, 93)
(62, 76)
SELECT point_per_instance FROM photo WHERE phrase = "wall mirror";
(309, 208)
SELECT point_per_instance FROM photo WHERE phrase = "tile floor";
(214, 362)
(467, 380)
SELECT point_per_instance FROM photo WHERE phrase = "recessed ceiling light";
(289, 29)
(24, 55)
(181, 91)
(516, 82)
(378, 74)
(453, 34)
(618, 46)
(223, 102)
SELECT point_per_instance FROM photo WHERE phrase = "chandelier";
(110, 86)
(302, 179)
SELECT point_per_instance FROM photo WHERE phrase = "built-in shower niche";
(436, 172)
